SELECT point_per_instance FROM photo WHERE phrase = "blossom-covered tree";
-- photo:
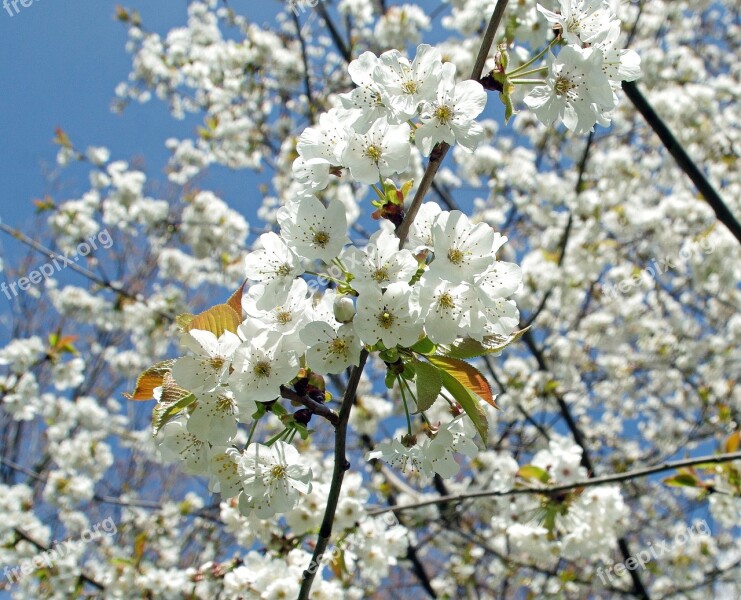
(511, 373)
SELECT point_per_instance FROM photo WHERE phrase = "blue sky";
(61, 63)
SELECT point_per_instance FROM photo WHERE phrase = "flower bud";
(344, 309)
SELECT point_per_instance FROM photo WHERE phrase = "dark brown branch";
(341, 465)
(684, 162)
(316, 407)
(333, 33)
(441, 149)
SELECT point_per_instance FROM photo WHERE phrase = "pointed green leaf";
(429, 384)
(683, 480)
(424, 346)
(163, 413)
(533, 473)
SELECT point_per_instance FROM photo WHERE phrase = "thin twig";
(585, 483)
(52, 255)
(440, 150)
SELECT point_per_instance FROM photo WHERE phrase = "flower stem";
(535, 58)
(531, 71)
(252, 432)
(277, 436)
(378, 192)
(324, 276)
(527, 81)
(399, 379)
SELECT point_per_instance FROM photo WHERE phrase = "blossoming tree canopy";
(417, 373)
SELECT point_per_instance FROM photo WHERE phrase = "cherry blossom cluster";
(446, 286)
(371, 131)
(585, 74)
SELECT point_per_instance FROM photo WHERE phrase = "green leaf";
(163, 413)
(302, 430)
(390, 379)
(217, 320)
(506, 98)
(152, 378)
(468, 401)
(424, 346)
(406, 187)
(429, 384)
(683, 480)
(533, 473)
(468, 375)
(278, 409)
(470, 348)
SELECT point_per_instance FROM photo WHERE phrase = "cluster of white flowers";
(370, 134)
(659, 358)
(389, 298)
(583, 77)
(446, 287)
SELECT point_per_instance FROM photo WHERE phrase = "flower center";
(573, 25)
(373, 152)
(216, 363)
(224, 404)
(321, 238)
(277, 472)
(380, 275)
(284, 317)
(410, 87)
(443, 114)
(284, 270)
(386, 319)
(338, 346)
(262, 369)
(446, 301)
(455, 256)
(563, 86)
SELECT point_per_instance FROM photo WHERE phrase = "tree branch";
(341, 465)
(51, 255)
(684, 162)
(83, 577)
(440, 150)
(316, 407)
(585, 483)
